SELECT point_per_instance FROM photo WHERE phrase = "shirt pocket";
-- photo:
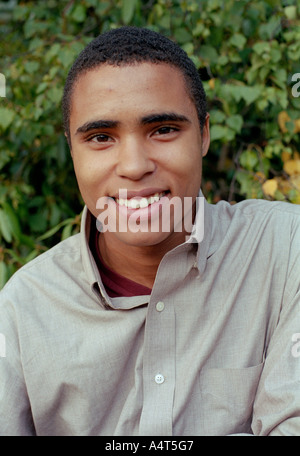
(227, 397)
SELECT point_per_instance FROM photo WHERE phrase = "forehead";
(140, 87)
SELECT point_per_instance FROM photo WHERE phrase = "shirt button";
(159, 378)
(160, 306)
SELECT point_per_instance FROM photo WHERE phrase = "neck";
(138, 263)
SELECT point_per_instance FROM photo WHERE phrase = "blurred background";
(248, 56)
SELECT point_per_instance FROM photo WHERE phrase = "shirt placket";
(158, 369)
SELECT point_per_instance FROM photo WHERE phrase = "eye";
(165, 130)
(100, 138)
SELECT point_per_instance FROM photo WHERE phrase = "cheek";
(191, 172)
(189, 164)
(89, 182)
(89, 170)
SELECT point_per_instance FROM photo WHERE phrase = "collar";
(199, 241)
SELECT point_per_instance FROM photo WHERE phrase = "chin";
(143, 239)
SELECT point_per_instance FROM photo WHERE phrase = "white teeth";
(144, 202)
(140, 203)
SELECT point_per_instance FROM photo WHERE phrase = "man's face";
(135, 128)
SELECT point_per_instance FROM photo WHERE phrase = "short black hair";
(128, 45)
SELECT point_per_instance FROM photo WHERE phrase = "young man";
(140, 324)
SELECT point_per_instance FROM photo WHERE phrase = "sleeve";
(15, 412)
(277, 405)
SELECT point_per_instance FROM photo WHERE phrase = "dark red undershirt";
(115, 284)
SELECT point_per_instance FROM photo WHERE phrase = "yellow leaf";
(297, 126)
(292, 167)
(284, 185)
(269, 187)
(283, 117)
(285, 156)
(211, 83)
(295, 180)
(259, 176)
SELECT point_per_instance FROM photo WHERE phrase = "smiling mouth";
(141, 202)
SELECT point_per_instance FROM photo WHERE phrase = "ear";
(205, 136)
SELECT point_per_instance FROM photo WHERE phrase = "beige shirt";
(214, 350)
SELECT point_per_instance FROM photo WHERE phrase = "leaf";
(26, 240)
(208, 53)
(291, 12)
(79, 13)
(67, 231)
(12, 220)
(269, 187)
(218, 132)
(249, 159)
(33, 254)
(292, 167)
(261, 47)
(6, 117)
(217, 116)
(235, 91)
(287, 124)
(66, 56)
(53, 51)
(271, 29)
(251, 94)
(31, 67)
(182, 35)
(54, 230)
(3, 274)
(238, 40)
(286, 155)
(235, 122)
(55, 94)
(128, 8)
(245, 182)
(297, 126)
(283, 118)
(295, 181)
(5, 227)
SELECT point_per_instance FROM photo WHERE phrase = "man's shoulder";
(68, 247)
(279, 208)
(272, 222)
(259, 209)
(51, 262)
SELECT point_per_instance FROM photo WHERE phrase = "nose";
(134, 160)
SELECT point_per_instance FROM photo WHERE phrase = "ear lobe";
(205, 136)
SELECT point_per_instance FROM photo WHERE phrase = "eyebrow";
(146, 120)
(164, 117)
(97, 124)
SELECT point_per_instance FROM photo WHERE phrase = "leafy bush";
(248, 55)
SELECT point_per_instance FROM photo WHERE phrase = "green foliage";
(247, 52)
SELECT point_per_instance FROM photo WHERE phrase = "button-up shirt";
(213, 350)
